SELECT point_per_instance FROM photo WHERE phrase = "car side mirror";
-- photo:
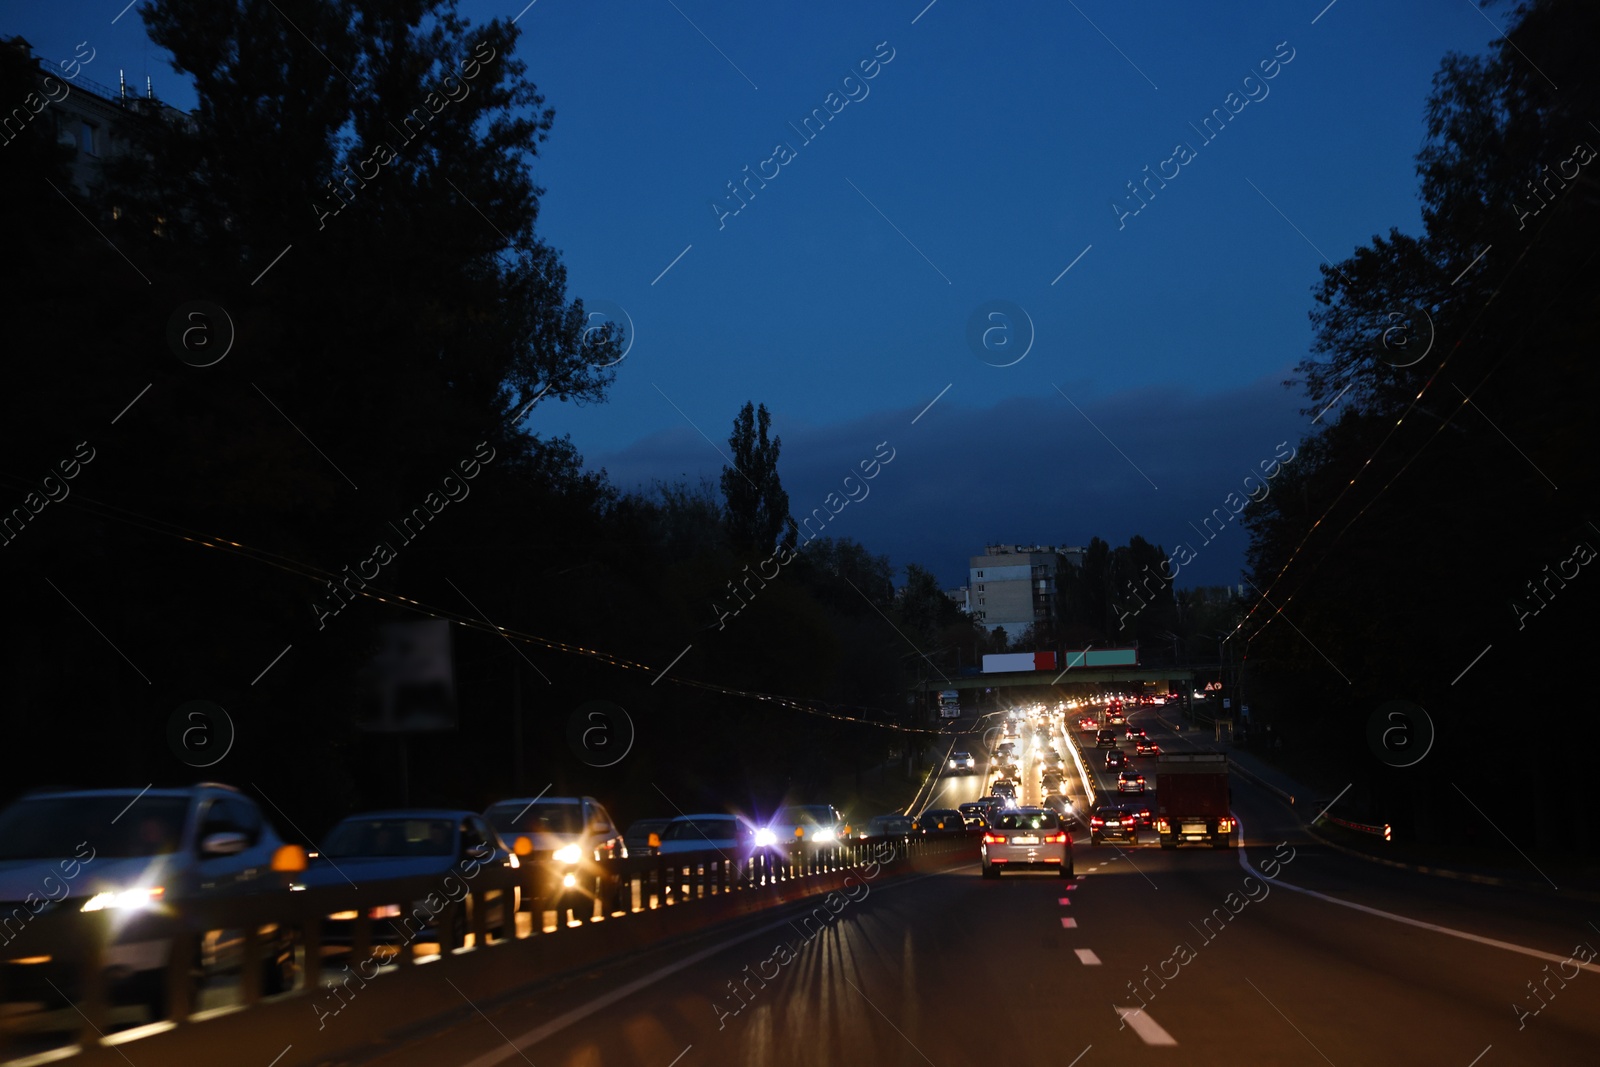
(223, 844)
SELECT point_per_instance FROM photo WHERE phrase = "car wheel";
(1094, 839)
(1066, 870)
(990, 872)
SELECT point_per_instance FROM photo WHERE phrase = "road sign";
(1227, 703)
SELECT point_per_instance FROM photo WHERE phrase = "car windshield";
(536, 818)
(642, 829)
(700, 830)
(805, 813)
(391, 837)
(112, 824)
(1028, 820)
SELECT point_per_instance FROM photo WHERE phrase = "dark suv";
(1106, 739)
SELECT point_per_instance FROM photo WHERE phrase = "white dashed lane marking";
(1087, 957)
(1148, 1029)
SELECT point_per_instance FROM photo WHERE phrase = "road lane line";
(1148, 1029)
(1448, 931)
(1069, 924)
(1087, 957)
(583, 1011)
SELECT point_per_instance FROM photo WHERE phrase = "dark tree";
(757, 515)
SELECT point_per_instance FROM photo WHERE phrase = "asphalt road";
(1186, 956)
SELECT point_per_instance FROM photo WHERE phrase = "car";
(1054, 761)
(1116, 718)
(976, 814)
(818, 824)
(1130, 781)
(1116, 758)
(941, 822)
(1141, 812)
(564, 843)
(1027, 838)
(138, 854)
(984, 807)
(403, 845)
(1088, 722)
(1050, 783)
(636, 838)
(732, 835)
(962, 763)
(1146, 747)
(1106, 739)
(1004, 788)
(886, 828)
(1110, 822)
(1135, 732)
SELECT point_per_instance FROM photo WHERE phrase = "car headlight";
(568, 854)
(823, 834)
(766, 838)
(125, 899)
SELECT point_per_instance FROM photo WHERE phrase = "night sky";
(960, 160)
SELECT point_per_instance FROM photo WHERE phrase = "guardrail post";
(311, 967)
(250, 965)
(180, 988)
(92, 1005)
(361, 936)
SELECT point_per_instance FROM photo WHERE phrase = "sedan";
(1135, 732)
(1089, 722)
(1130, 781)
(887, 828)
(732, 835)
(1147, 747)
(962, 763)
(402, 846)
(638, 834)
(940, 822)
(1027, 838)
(1050, 784)
(1109, 822)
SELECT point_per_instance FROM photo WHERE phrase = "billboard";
(1019, 661)
(411, 680)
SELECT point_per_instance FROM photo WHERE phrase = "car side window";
(600, 821)
(214, 819)
(245, 818)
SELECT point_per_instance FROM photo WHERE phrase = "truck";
(950, 704)
(1192, 799)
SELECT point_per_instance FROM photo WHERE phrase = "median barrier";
(361, 1010)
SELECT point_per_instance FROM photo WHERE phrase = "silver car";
(1032, 838)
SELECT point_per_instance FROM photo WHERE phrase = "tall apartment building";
(1014, 586)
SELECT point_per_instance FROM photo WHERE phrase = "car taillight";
(1224, 825)
(1162, 826)
(994, 839)
(1097, 821)
(1057, 839)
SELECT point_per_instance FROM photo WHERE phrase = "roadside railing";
(63, 949)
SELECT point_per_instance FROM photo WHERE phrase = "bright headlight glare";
(569, 880)
(766, 838)
(124, 900)
(568, 854)
(824, 834)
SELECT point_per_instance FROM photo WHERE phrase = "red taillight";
(1097, 821)
(1058, 839)
(1224, 826)
(994, 839)
(1162, 826)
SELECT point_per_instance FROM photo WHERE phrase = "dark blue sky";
(975, 166)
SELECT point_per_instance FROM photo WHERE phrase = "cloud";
(1027, 470)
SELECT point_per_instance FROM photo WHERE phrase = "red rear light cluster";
(1097, 821)
(1224, 826)
(1062, 838)
(994, 839)
(1163, 826)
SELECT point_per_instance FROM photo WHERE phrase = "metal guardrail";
(74, 945)
(1365, 828)
(1258, 780)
